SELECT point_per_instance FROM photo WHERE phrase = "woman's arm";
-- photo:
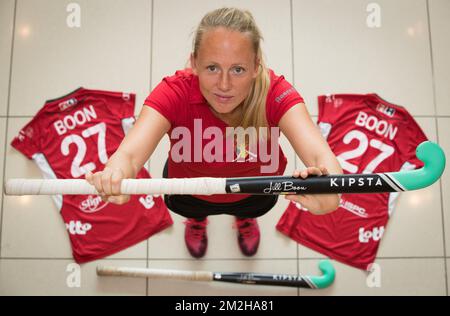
(142, 139)
(313, 150)
(134, 150)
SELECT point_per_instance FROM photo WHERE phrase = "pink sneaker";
(195, 237)
(248, 235)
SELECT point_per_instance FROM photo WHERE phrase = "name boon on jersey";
(71, 121)
(372, 123)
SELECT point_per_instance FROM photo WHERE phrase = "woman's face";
(226, 66)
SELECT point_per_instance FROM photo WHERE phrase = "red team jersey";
(78, 133)
(179, 99)
(367, 135)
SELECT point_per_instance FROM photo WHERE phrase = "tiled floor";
(322, 46)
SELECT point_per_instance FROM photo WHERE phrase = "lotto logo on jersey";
(366, 235)
(78, 228)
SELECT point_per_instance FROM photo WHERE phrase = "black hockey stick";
(312, 282)
(430, 153)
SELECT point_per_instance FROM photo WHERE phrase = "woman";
(228, 86)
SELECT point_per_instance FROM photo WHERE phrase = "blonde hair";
(254, 106)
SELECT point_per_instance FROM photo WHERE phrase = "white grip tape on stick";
(156, 273)
(199, 186)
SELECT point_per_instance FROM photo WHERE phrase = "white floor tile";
(308, 253)
(336, 52)
(6, 32)
(444, 141)
(391, 277)
(169, 244)
(33, 228)
(25, 216)
(138, 251)
(274, 244)
(439, 29)
(63, 277)
(415, 228)
(190, 288)
(2, 151)
(109, 51)
(448, 275)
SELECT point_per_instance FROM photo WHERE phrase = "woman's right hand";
(126, 162)
(107, 183)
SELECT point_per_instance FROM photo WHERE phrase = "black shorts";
(191, 207)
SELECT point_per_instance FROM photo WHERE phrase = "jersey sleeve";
(326, 114)
(28, 140)
(415, 137)
(121, 104)
(281, 97)
(167, 98)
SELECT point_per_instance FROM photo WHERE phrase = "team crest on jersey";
(386, 110)
(67, 104)
(92, 204)
(242, 152)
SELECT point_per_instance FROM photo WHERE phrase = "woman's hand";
(107, 183)
(318, 204)
(135, 149)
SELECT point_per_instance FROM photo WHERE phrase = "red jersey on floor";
(75, 134)
(179, 99)
(367, 135)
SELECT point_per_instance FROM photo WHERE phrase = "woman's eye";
(239, 70)
(212, 68)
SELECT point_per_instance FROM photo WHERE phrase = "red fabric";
(367, 134)
(79, 132)
(178, 98)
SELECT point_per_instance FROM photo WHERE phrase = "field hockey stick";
(312, 282)
(428, 152)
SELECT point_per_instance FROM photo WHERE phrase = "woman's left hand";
(317, 204)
